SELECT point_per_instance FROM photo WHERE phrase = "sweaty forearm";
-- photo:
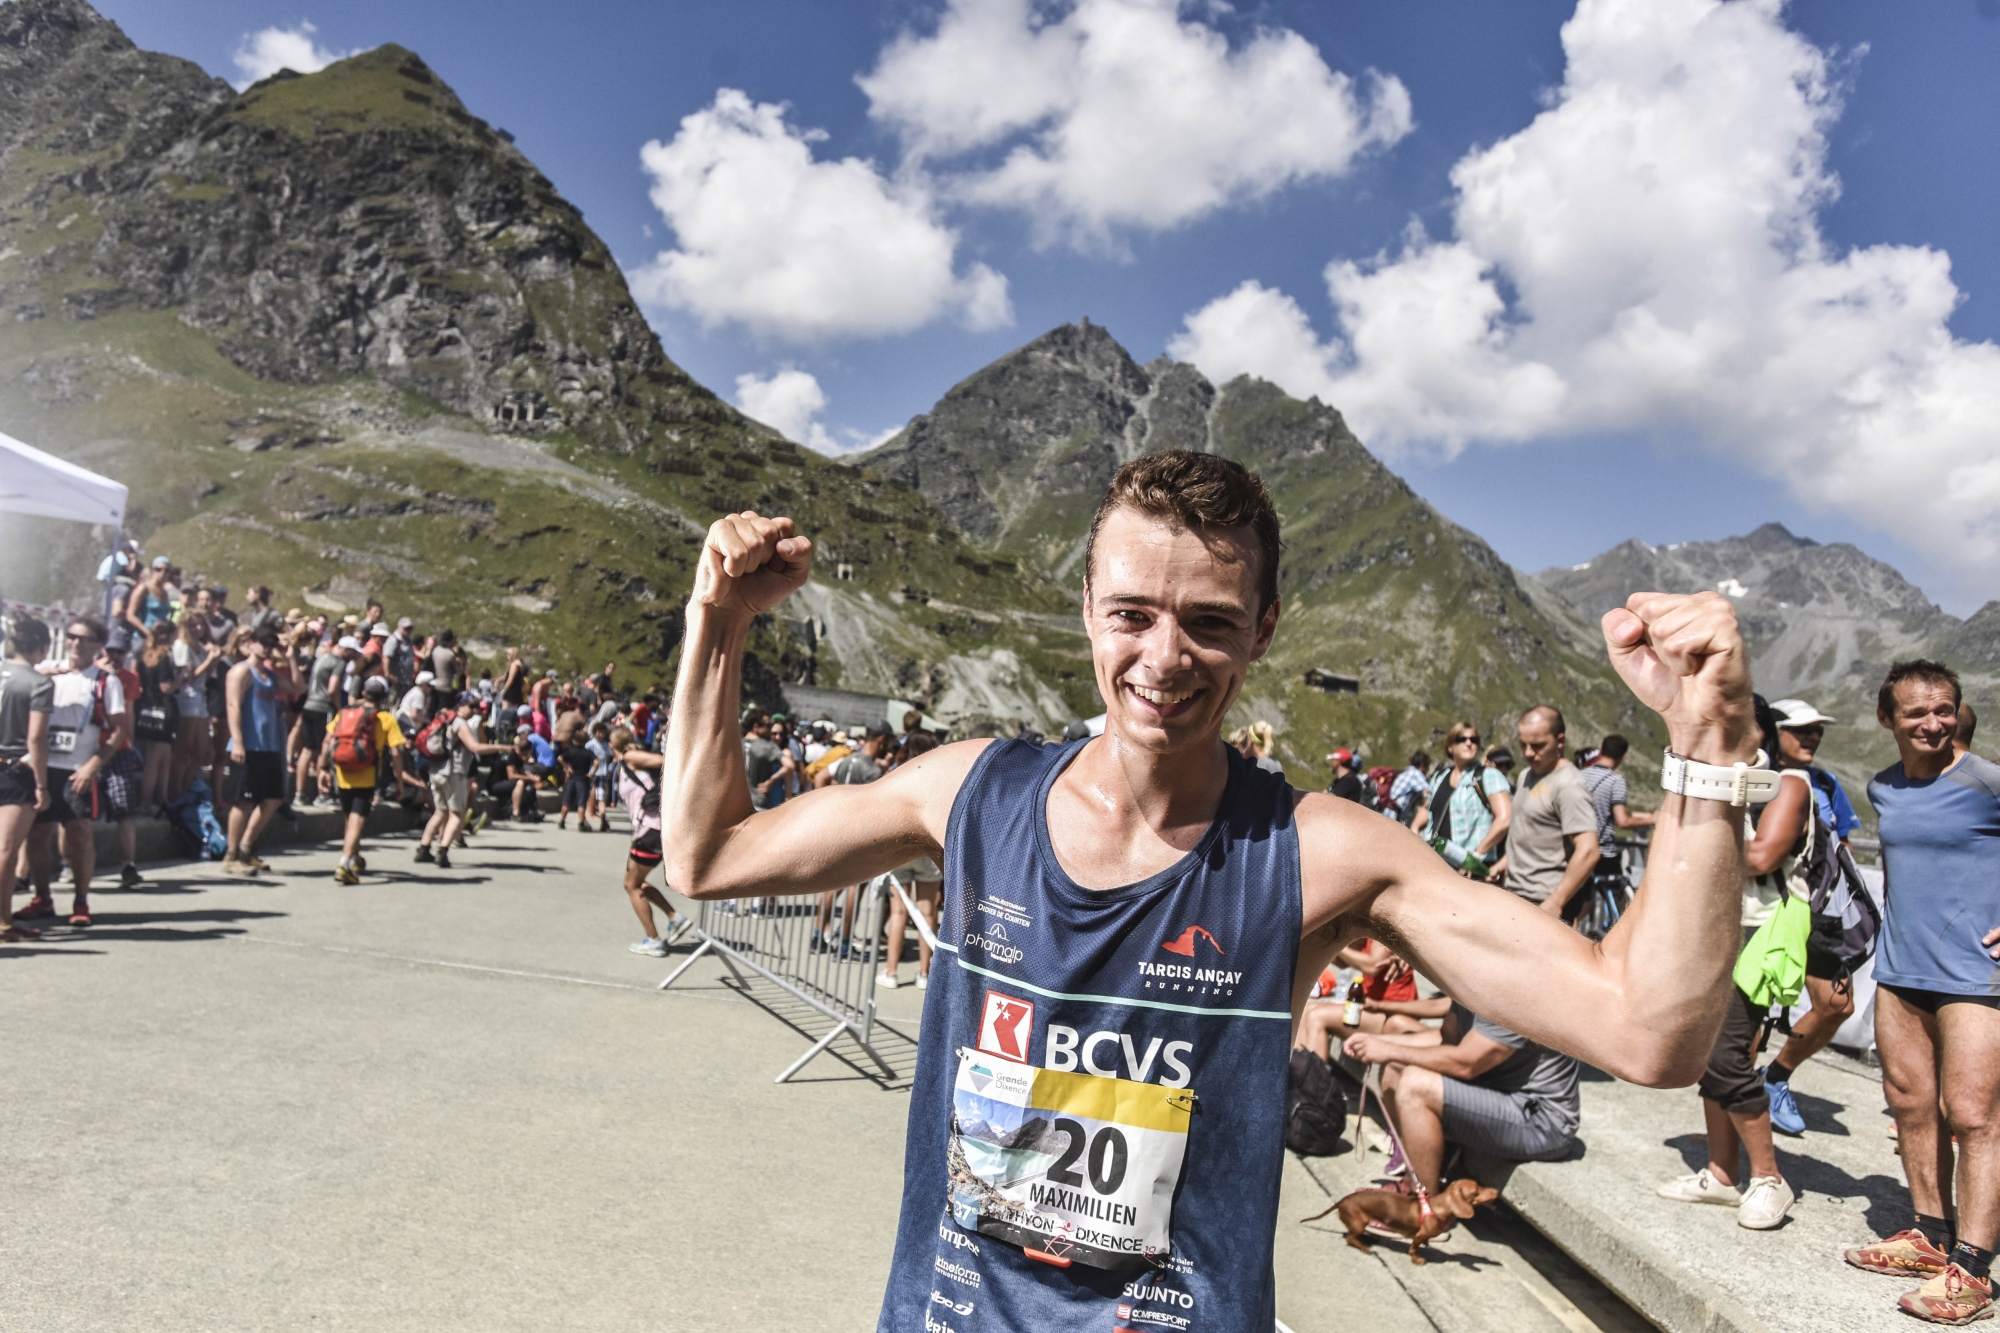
(704, 788)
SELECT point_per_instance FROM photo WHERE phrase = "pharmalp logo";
(994, 944)
(1184, 943)
(1006, 1026)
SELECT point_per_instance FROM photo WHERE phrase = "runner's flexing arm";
(1644, 1004)
(719, 847)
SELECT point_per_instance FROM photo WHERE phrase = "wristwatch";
(1738, 784)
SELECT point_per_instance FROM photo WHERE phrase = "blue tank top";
(1096, 1129)
(260, 714)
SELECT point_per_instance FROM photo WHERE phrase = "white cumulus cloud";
(1112, 114)
(263, 53)
(1646, 256)
(790, 401)
(787, 245)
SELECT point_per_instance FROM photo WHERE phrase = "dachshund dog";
(1405, 1214)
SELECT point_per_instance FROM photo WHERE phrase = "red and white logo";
(1005, 1028)
(1184, 945)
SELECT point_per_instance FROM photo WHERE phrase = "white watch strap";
(1738, 784)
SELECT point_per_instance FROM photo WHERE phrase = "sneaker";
(1952, 1297)
(676, 927)
(360, 864)
(79, 912)
(423, 856)
(236, 865)
(652, 948)
(1765, 1203)
(923, 980)
(1398, 1165)
(1701, 1187)
(345, 875)
(38, 906)
(604, 826)
(480, 821)
(1785, 1117)
(818, 945)
(128, 876)
(443, 860)
(886, 982)
(1899, 1255)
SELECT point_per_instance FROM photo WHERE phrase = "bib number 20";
(1105, 1160)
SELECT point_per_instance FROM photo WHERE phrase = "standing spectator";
(451, 783)
(574, 763)
(765, 762)
(367, 726)
(1411, 786)
(87, 723)
(445, 664)
(539, 694)
(122, 783)
(324, 694)
(401, 657)
(1346, 782)
(1968, 723)
(150, 602)
(1255, 743)
(1937, 1009)
(27, 698)
(513, 686)
(1608, 794)
(156, 715)
(1552, 842)
(920, 878)
(222, 620)
(1469, 806)
(196, 657)
(253, 785)
(375, 655)
(257, 607)
(601, 777)
(863, 766)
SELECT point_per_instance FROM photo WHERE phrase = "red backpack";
(354, 737)
(433, 741)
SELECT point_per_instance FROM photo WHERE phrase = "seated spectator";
(514, 790)
(1385, 978)
(1477, 1085)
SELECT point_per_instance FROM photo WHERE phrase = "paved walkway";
(453, 1100)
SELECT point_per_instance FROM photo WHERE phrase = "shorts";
(17, 783)
(312, 731)
(646, 849)
(1513, 1126)
(1930, 1001)
(120, 784)
(60, 810)
(260, 777)
(1731, 1079)
(451, 791)
(355, 800)
(601, 784)
(923, 869)
(576, 793)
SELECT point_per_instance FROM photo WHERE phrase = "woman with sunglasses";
(1469, 807)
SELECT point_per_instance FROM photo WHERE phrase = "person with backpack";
(357, 740)
(1937, 1006)
(1469, 809)
(324, 693)
(449, 744)
(86, 727)
(639, 788)
(1347, 783)
(253, 786)
(1779, 862)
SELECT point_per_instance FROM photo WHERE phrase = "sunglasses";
(1462, 740)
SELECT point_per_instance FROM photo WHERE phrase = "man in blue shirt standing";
(1937, 1014)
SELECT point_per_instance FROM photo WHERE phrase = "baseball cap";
(876, 729)
(1343, 757)
(1799, 713)
(426, 677)
(350, 643)
(406, 623)
(375, 687)
(524, 711)
(161, 562)
(467, 699)
(118, 640)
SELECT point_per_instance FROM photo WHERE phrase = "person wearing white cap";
(415, 707)
(324, 689)
(1800, 728)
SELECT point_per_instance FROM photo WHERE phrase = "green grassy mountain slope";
(339, 336)
(1377, 584)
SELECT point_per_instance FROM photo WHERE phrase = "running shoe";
(480, 821)
(1952, 1297)
(1701, 1187)
(423, 856)
(1785, 1117)
(886, 982)
(128, 876)
(360, 864)
(79, 911)
(345, 875)
(443, 861)
(923, 980)
(652, 948)
(1765, 1203)
(676, 927)
(1906, 1252)
(818, 945)
(38, 906)
(1398, 1164)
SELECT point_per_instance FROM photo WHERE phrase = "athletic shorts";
(60, 810)
(1512, 1126)
(1930, 1001)
(576, 793)
(260, 777)
(120, 784)
(646, 848)
(922, 869)
(1731, 1079)
(312, 731)
(451, 791)
(17, 783)
(355, 800)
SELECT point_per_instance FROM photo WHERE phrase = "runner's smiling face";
(1173, 624)
(1926, 719)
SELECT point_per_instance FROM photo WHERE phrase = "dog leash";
(1389, 1123)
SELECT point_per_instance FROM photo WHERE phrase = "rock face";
(359, 222)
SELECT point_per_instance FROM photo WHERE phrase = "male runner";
(1098, 1111)
(86, 728)
(1937, 1008)
(253, 785)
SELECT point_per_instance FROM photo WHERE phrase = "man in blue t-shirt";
(1937, 1014)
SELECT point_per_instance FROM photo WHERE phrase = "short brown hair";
(1919, 669)
(1197, 492)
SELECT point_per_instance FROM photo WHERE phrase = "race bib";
(62, 740)
(1076, 1168)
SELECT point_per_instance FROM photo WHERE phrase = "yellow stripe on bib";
(1113, 1100)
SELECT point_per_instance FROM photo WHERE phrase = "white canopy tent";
(32, 482)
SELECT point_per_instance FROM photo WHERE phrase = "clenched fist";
(1683, 656)
(749, 564)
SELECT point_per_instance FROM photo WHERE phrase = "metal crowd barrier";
(773, 938)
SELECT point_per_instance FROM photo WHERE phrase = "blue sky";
(1615, 225)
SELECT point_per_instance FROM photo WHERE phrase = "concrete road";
(454, 1100)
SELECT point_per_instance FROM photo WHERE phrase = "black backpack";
(1845, 920)
(1315, 1107)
